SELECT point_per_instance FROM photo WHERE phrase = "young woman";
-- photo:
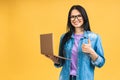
(81, 45)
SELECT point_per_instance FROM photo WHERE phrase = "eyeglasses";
(75, 16)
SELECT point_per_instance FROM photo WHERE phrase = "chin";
(77, 26)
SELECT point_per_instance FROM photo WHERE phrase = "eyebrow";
(75, 15)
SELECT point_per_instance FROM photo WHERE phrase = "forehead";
(75, 12)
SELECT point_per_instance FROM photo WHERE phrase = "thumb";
(89, 42)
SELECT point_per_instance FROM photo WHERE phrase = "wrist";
(92, 52)
(93, 55)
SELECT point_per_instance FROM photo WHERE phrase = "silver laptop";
(46, 45)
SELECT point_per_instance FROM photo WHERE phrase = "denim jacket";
(85, 65)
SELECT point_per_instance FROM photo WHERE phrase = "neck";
(79, 31)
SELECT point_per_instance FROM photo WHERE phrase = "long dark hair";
(70, 27)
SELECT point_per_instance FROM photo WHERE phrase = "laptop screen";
(46, 44)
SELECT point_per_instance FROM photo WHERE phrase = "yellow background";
(22, 21)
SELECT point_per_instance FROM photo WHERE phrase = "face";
(76, 18)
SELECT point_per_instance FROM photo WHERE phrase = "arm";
(61, 61)
(97, 55)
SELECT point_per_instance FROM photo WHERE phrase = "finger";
(83, 44)
(56, 60)
(89, 42)
(47, 55)
(84, 50)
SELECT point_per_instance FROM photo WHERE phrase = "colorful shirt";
(85, 65)
(75, 54)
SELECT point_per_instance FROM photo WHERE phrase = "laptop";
(46, 45)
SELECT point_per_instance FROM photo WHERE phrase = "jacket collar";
(85, 34)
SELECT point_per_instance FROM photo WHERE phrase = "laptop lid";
(46, 44)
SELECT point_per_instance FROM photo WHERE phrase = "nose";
(76, 18)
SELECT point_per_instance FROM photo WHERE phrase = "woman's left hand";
(86, 48)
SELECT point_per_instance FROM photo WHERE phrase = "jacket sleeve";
(61, 61)
(99, 50)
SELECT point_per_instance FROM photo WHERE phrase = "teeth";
(76, 23)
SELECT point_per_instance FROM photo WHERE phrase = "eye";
(79, 15)
(72, 16)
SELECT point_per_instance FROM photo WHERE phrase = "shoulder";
(61, 37)
(93, 35)
(66, 35)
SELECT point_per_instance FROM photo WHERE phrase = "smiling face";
(76, 18)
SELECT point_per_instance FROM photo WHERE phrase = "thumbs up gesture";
(86, 48)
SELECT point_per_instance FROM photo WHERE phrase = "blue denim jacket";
(85, 65)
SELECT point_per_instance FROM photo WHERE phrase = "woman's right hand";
(55, 59)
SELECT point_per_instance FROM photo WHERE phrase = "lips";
(77, 22)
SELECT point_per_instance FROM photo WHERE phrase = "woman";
(82, 46)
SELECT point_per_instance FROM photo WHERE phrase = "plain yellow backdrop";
(22, 21)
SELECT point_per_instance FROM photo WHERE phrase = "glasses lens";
(74, 17)
(79, 16)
